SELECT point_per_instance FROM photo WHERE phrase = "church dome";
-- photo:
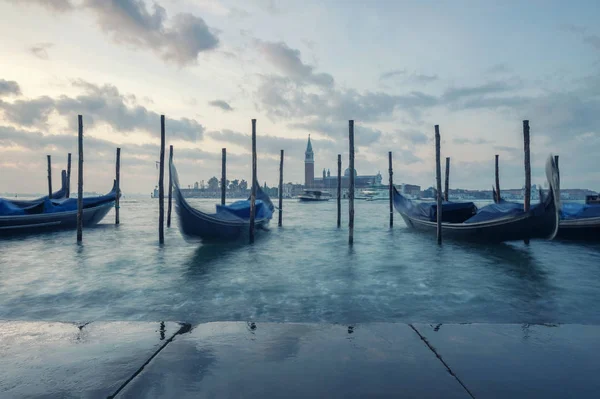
(347, 172)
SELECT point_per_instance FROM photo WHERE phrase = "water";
(303, 272)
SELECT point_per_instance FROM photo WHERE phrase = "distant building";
(411, 189)
(309, 166)
(330, 182)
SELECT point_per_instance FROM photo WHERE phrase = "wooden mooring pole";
(69, 175)
(497, 199)
(49, 177)
(527, 199)
(391, 190)
(223, 175)
(339, 191)
(351, 187)
(118, 184)
(80, 180)
(161, 185)
(447, 181)
(557, 168)
(280, 190)
(438, 178)
(253, 191)
(170, 187)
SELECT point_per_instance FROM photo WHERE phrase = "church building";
(330, 182)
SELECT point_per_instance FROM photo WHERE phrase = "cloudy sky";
(476, 68)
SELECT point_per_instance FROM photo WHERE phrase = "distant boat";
(377, 195)
(314, 196)
(229, 222)
(492, 223)
(46, 214)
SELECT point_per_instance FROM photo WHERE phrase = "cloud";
(54, 5)
(458, 93)
(9, 87)
(269, 144)
(465, 140)
(179, 40)
(221, 104)
(392, 73)
(412, 78)
(98, 104)
(39, 50)
(415, 137)
(498, 69)
(592, 40)
(288, 61)
(338, 129)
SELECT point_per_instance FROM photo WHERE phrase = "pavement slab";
(520, 361)
(270, 360)
(64, 360)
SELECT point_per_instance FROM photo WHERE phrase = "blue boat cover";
(452, 212)
(496, 211)
(8, 208)
(570, 211)
(241, 209)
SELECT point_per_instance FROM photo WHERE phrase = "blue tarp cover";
(241, 209)
(7, 208)
(570, 211)
(496, 211)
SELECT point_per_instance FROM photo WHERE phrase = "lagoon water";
(302, 272)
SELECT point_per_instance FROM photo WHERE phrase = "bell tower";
(309, 166)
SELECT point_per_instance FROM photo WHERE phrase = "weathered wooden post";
(527, 199)
(161, 185)
(118, 180)
(80, 180)
(280, 190)
(391, 190)
(497, 199)
(253, 191)
(447, 181)
(69, 175)
(49, 177)
(557, 168)
(170, 187)
(223, 175)
(438, 178)
(63, 178)
(351, 188)
(339, 191)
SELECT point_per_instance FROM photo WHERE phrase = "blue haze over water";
(303, 272)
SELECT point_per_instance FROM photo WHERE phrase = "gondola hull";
(194, 223)
(220, 226)
(492, 224)
(509, 229)
(30, 224)
(580, 229)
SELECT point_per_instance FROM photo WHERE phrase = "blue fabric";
(496, 211)
(570, 211)
(7, 208)
(452, 212)
(241, 209)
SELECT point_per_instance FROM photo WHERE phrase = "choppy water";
(303, 272)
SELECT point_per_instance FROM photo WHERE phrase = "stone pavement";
(270, 360)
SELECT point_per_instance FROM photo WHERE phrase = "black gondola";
(46, 214)
(492, 223)
(229, 222)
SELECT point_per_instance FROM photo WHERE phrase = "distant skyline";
(397, 68)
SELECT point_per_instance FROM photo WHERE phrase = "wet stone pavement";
(251, 360)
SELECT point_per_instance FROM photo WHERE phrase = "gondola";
(43, 215)
(229, 222)
(492, 223)
(577, 221)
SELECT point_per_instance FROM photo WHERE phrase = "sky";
(397, 68)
